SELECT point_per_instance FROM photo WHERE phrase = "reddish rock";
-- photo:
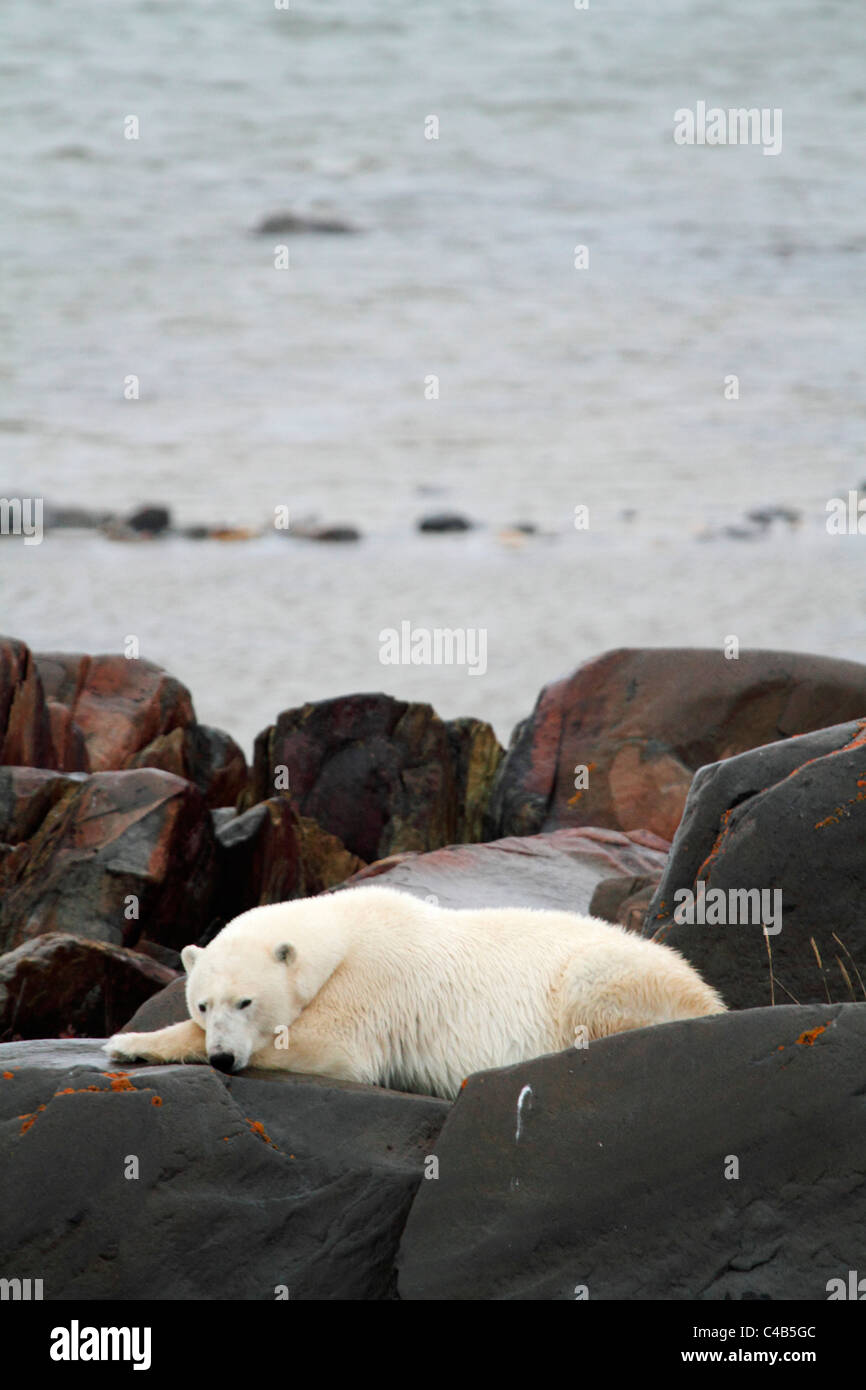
(559, 871)
(208, 757)
(60, 985)
(119, 705)
(381, 774)
(644, 720)
(25, 723)
(125, 853)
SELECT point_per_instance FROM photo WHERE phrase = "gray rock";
(244, 1184)
(605, 1167)
(788, 818)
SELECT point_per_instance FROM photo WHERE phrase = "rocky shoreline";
(127, 830)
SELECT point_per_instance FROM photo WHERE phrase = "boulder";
(642, 721)
(124, 853)
(27, 794)
(788, 818)
(381, 774)
(445, 521)
(560, 871)
(25, 723)
(119, 705)
(718, 1158)
(245, 1187)
(63, 985)
(208, 757)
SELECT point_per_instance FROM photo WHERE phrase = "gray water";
(559, 387)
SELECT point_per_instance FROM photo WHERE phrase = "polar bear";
(374, 985)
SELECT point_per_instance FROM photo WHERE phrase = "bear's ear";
(189, 955)
(285, 953)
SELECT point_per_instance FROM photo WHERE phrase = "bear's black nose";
(223, 1061)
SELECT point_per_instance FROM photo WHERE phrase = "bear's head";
(247, 987)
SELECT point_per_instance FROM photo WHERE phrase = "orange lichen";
(807, 1039)
(8, 1075)
(156, 1100)
(29, 1120)
(258, 1128)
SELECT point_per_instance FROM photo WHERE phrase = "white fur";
(383, 988)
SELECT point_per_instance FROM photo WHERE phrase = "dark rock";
(27, 794)
(244, 1184)
(477, 753)
(152, 520)
(445, 521)
(260, 858)
(63, 985)
(624, 900)
(123, 854)
(789, 817)
(163, 955)
(290, 222)
(160, 1010)
(609, 1173)
(77, 518)
(208, 757)
(195, 533)
(269, 854)
(323, 533)
(119, 705)
(25, 723)
(765, 516)
(644, 720)
(559, 871)
(380, 774)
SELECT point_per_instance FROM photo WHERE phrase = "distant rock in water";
(290, 222)
(153, 520)
(325, 533)
(445, 521)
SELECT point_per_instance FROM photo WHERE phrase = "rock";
(325, 861)
(76, 518)
(269, 854)
(262, 1181)
(208, 757)
(642, 721)
(608, 1168)
(279, 223)
(445, 521)
(765, 516)
(60, 984)
(260, 858)
(323, 533)
(477, 754)
(119, 705)
(380, 774)
(123, 854)
(27, 794)
(150, 520)
(624, 900)
(25, 723)
(559, 871)
(789, 817)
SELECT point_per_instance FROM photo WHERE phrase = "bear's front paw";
(131, 1047)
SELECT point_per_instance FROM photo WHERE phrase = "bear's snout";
(223, 1061)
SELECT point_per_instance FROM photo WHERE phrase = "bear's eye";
(202, 1008)
(244, 1003)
